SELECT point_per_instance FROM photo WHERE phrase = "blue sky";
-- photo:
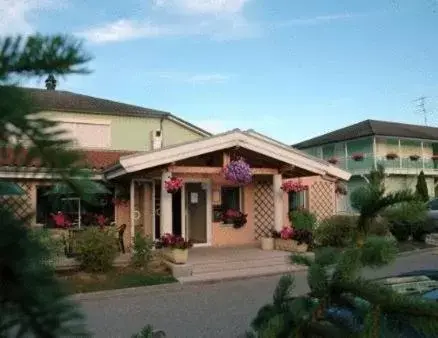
(289, 69)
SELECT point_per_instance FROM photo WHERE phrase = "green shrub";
(406, 219)
(54, 246)
(420, 229)
(142, 250)
(303, 219)
(379, 227)
(410, 212)
(401, 230)
(336, 231)
(96, 249)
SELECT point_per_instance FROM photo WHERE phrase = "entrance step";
(230, 265)
(242, 273)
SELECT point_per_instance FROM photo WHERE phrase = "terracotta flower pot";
(290, 245)
(177, 256)
(267, 243)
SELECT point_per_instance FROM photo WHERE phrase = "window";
(298, 200)
(72, 207)
(87, 135)
(231, 198)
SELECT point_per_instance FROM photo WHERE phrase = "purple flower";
(238, 171)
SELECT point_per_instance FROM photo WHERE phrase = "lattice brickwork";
(20, 205)
(322, 199)
(263, 209)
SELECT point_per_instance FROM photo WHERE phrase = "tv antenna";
(421, 108)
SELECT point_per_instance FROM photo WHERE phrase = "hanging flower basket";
(414, 157)
(238, 172)
(341, 189)
(333, 160)
(391, 156)
(293, 186)
(357, 157)
(173, 184)
(235, 217)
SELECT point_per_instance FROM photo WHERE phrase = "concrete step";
(219, 276)
(238, 257)
(238, 265)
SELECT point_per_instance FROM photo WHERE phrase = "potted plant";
(414, 157)
(303, 239)
(235, 217)
(267, 242)
(173, 184)
(176, 248)
(293, 240)
(357, 157)
(391, 156)
(333, 160)
(238, 172)
(293, 186)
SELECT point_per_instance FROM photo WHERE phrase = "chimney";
(51, 82)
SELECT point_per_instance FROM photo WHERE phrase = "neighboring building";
(403, 149)
(133, 150)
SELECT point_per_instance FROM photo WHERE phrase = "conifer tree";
(421, 187)
(337, 285)
(32, 302)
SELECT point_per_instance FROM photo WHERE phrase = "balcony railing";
(398, 165)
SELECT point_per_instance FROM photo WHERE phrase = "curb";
(127, 292)
(218, 280)
(416, 252)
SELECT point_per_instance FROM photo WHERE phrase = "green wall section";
(134, 133)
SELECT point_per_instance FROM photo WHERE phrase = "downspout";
(161, 130)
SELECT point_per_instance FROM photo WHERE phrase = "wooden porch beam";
(286, 168)
(226, 158)
(217, 170)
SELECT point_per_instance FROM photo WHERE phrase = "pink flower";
(287, 232)
(173, 184)
(295, 186)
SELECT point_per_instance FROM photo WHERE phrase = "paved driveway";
(214, 310)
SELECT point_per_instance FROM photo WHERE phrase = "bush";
(336, 231)
(54, 246)
(96, 249)
(401, 230)
(410, 212)
(302, 219)
(379, 227)
(408, 219)
(142, 250)
(420, 229)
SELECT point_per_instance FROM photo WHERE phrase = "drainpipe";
(161, 131)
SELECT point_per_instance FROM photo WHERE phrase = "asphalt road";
(210, 310)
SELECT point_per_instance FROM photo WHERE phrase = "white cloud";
(16, 15)
(203, 6)
(316, 20)
(122, 30)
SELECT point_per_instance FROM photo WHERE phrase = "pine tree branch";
(40, 55)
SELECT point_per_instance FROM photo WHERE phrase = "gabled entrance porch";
(196, 210)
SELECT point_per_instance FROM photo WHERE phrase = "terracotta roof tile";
(93, 159)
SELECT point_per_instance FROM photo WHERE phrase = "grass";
(412, 246)
(117, 278)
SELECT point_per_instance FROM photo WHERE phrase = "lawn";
(117, 278)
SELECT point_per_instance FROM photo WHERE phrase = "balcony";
(400, 166)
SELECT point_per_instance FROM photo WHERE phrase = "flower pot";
(267, 243)
(289, 245)
(177, 256)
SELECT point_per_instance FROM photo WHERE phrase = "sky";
(289, 69)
